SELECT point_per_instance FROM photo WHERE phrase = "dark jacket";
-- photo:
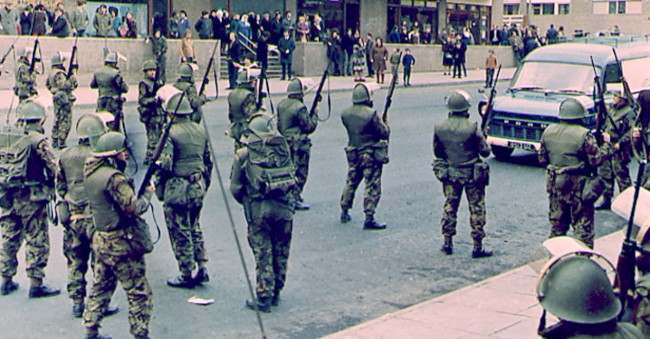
(234, 52)
(60, 27)
(347, 42)
(286, 47)
(26, 23)
(40, 20)
(218, 28)
(204, 27)
(262, 52)
(408, 60)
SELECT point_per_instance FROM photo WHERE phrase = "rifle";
(489, 107)
(11, 48)
(626, 85)
(391, 91)
(626, 265)
(600, 105)
(318, 97)
(34, 60)
(206, 75)
(260, 93)
(73, 56)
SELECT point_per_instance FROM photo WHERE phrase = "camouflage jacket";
(61, 87)
(25, 80)
(149, 105)
(642, 297)
(159, 46)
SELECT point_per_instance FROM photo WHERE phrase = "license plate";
(522, 145)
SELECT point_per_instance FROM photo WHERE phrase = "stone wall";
(91, 56)
(309, 59)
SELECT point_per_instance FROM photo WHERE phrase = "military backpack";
(269, 168)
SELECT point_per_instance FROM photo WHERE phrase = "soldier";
(151, 114)
(159, 49)
(118, 246)
(186, 84)
(241, 105)
(25, 78)
(184, 176)
(263, 181)
(576, 290)
(295, 124)
(61, 88)
(458, 145)
(642, 291)
(367, 152)
(73, 210)
(27, 169)
(616, 169)
(570, 152)
(111, 86)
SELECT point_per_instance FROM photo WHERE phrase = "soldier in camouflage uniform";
(118, 255)
(184, 175)
(111, 86)
(295, 123)
(151, 114)
(159, 49)
(61, 88)
(367, 152)
(73, 210)
(616, 169)
(570, 152)
(642, 292)
(458, 145)
(24, 200)
(241, 105)
(268, 202)
(25, 86)
(186, 84)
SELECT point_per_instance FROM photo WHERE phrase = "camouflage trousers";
(269, 236)
(475, 195)
(154, 130)
(77, 251)
(114, 264)
(62, 123)
(301, 153)
(186, 236)
(114, 106)
(642, 296)
(615, 171)
(363, 167)
(566, 210)
(27, 221)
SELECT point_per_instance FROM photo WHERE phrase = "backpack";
(15, 152)
(269, 168)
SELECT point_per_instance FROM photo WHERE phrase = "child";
(408, 60)
(490, 66)
(358, 63)
(394, 63)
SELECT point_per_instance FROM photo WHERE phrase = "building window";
(548, 9)
(563, 9)
(510, 9)
(537, 9)
(617, 7)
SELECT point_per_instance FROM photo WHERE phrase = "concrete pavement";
(88, 97)
(504, 306)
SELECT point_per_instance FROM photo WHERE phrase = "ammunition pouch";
(441, 169)
(551, 177)
(381, 152)
(593, 189)
(138, 237)
(482, 174)
(63, 211)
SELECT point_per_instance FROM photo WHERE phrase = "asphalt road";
(339, 275)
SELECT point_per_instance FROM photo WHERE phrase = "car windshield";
(555, 77)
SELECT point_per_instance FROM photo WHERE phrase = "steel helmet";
(247, 77)
(184, 106)
(30, 110)
(110, 144)
(459, 101)
(571, 109)
(90, 126)
(111, 58)
(26, 53)
(362, 93)
(575, 288)
(186, 70)
(262, 125)
(296, 88)
(107, 118)
(149, 65)
(58, 59)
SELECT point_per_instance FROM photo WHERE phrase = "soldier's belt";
(77, 217)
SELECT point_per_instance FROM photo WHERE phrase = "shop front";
(408, 12)
(473, 16)
(341, 14)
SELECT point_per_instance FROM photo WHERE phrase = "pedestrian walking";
(395, 60)
(490, 67)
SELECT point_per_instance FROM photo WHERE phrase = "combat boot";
(372, 224)
(448, 246)
(605, 204)
(111, 310)
(201, 276)
(345, 216)
(78, 309)
(263, 304)
(181, 281)
(43, 291)
(479, 251)
(8, 286)
(302, 206)
(97, 336)
(275, 300)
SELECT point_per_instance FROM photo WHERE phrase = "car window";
(553, 76)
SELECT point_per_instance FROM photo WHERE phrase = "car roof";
(581, 53)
